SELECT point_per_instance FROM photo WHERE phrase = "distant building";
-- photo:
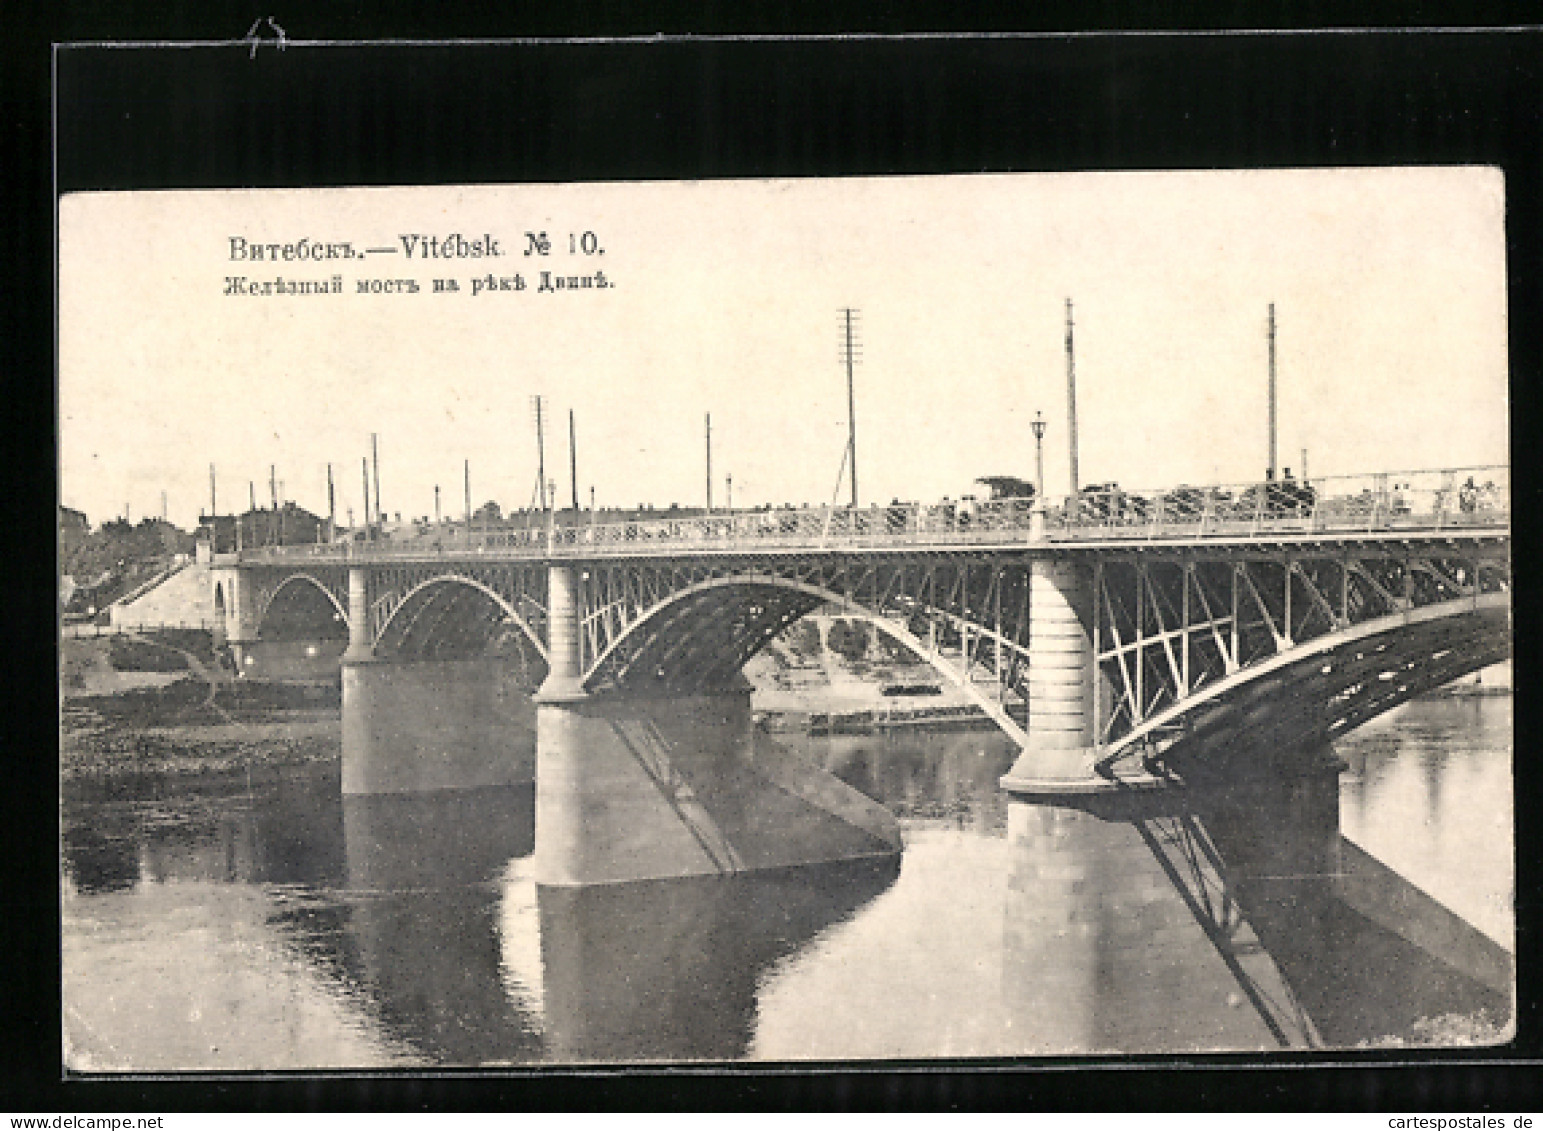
(290, 525)
(73, 529)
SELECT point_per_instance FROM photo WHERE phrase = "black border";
(206, 116)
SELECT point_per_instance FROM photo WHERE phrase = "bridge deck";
(1390, 507)
(1264, 542)
(538, 546)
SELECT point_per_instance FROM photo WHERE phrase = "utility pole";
(251, 495)
(1071, 399)
(728, 482)
(850, 355)
(1272, 465)
(540, 452)
(466, 474)
(573, 461)
(364, 471)
(273, 485)
(213, 510)
(436, 504)
(709, 463)
(332, 508)
(375, 464)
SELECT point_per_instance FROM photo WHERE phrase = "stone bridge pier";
(1063, 673)
(420, 726)
(235, 607)
(1123, 892)
(631, 785)
(360, 645)
(648, 785)
(415, 726)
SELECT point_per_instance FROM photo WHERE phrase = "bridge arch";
(433, 613)
(1314, 692)
(701, 635)
(271, 598)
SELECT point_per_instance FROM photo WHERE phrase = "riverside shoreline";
(185, 715)
(170, 731)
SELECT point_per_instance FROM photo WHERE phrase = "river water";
(269, 923)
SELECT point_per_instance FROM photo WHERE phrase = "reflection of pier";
(670, 969)
(1201, 918)
(437, 932)
(420, 908)
(426, 875)
(438, 918)
(1232, 894)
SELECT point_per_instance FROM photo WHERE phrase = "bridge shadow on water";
(1328, 945)
(1366, 954)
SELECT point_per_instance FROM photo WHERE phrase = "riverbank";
(172, 730)
(818, 691)
(900, 717)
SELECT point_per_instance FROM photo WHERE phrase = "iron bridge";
(1223, 618)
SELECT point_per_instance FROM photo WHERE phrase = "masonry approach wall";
(184, 598)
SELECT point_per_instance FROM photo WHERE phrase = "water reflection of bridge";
(1210, 932)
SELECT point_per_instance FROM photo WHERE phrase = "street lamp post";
(1037, 513)
(1037, 425)
(551, 515)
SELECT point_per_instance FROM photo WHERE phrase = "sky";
(1388, 286)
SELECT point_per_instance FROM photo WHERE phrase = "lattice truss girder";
(1169, 628)
(686, 625)
(272, 589)
(429, 612)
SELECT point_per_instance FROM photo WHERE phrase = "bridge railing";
(1391, 501)
(1424, 500)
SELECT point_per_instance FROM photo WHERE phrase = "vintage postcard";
(828, 620)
